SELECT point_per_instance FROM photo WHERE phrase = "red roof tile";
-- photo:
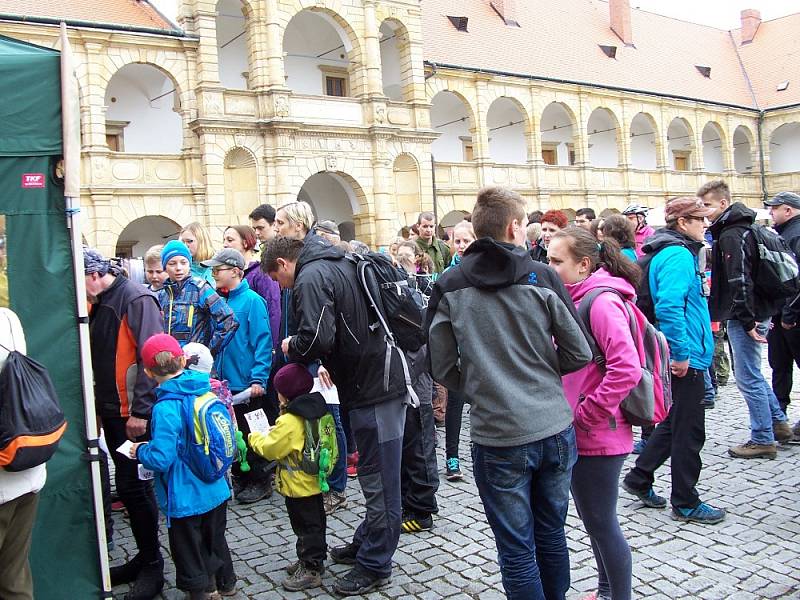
(137, 13)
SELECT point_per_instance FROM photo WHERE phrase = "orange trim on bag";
(8, 453)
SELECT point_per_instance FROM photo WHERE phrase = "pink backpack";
(649, 402)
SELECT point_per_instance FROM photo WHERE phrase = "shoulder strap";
(584, 312)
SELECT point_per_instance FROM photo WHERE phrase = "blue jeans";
(338, 478)
(525, 494)
(710, 393)
(761, 401)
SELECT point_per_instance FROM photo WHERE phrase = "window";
(571, 153)
(549, 156)
(115, 135)
(469, 149)
(335, 81)
(459, 23)
(681, 160)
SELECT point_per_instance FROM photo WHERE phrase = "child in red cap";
(284, 444)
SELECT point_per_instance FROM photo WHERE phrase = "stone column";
(274, 46)
(372, 50)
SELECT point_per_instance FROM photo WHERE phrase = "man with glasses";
(734, 299)
(245, 362)
(681, 310)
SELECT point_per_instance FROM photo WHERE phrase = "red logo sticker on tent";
(32, 180)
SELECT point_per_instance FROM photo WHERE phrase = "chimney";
(751, 19)
(507, 11)
(621, 20)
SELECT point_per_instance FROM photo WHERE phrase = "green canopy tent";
(66, 553)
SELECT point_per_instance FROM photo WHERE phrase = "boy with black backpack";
(303, 442)
(194, 501)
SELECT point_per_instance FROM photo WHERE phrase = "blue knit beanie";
(172, 249)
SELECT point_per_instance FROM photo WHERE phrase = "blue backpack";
(210, 444)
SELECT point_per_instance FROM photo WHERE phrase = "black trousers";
(137, 495)
(419, 477)
(680, 436)
(307, 516)
(200, 552)
(452, 423)
(783, 353)
(259, 466)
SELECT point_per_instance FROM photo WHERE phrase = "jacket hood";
(489, 264)
(668, 237)
(317, 249)
(188, 383)
(598, 279)
(737, 214)
(308, 406)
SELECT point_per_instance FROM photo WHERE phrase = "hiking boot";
(148, 583)
(702, 513)
(752, 450)
(358, 582)
(255, 491)
(453, 472)
(333, 501)
(415, 524)
(638, 447)
(782, 431)
(127, 572)
(344, 555)
(226, 589)
(649, 498)
(303, 578)
(292, 568)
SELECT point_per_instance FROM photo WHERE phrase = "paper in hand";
(145, 474)
(125, 449)
(257, 421)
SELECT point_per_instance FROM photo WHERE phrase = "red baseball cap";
(161, 342)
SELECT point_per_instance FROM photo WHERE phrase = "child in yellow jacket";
(284, 444)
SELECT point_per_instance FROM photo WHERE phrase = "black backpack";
(644, 299)
(775, 271)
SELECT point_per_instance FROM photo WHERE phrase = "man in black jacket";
(735, 299)
(333, 326)
(784, 337)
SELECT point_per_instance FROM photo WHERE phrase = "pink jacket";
(641, 235)
(594, 393)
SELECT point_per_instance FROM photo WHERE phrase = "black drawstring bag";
(31, 420)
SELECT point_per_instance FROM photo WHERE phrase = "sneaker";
(453, 472)
(752, 450)
(638, 447)
(292, 568)
(255, 491)
(344, 555)
(415, 524)
(118, 506)
(333, 501)
(358, 582)
(149, 583)
(782, 431)
(796, 430)
(706, 404)
(226, 589)
(303, 579)
(352, 471)
(649, 498)
(352, 464)
(702, 513)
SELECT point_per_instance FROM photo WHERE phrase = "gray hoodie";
(503, 331)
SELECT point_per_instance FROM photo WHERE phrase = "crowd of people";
(547, 394)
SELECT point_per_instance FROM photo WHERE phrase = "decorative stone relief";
(331, 162)
(380, 114)
(281, 106)
(213, 103)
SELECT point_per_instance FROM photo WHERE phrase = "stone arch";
(558, 127)
(397, 69)
(240, 168)
(645, 141)
(131, 86)
(603, 138)
(169, 67)
(341, 204)
(352, 59)
(453, 117)
(508, 126)
(128, 209)
(680, 145)
(743, 149)
(142, 233)
(714, 144)
(784, 148)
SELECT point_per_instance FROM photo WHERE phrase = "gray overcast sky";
(719, 13)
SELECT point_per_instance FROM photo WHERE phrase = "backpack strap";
(585, 311)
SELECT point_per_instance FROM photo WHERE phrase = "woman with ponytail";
(595, 393)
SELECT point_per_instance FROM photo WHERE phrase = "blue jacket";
(248, 357)
(202, 272)
(180, 493)
(677, 291)
(194, 312)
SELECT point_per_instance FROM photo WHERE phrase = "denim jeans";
(710, 394)
(525, 494)
(761, 401)
(338, 477)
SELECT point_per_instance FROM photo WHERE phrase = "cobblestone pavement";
(754, 554)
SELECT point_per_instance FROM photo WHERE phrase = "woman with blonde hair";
(196, 237)
(294, 220)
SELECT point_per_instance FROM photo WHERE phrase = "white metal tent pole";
(70, 110)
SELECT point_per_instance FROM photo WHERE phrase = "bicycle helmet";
(635, 209)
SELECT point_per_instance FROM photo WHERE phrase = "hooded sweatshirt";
(180, 492)
(284, 444)
(502, 332)
(641, 236)
(676, 287)
(595, 393)
(263, 285)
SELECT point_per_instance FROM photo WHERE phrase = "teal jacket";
(180, 493)
(202, 272)
(247, 358)
(677, 291)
